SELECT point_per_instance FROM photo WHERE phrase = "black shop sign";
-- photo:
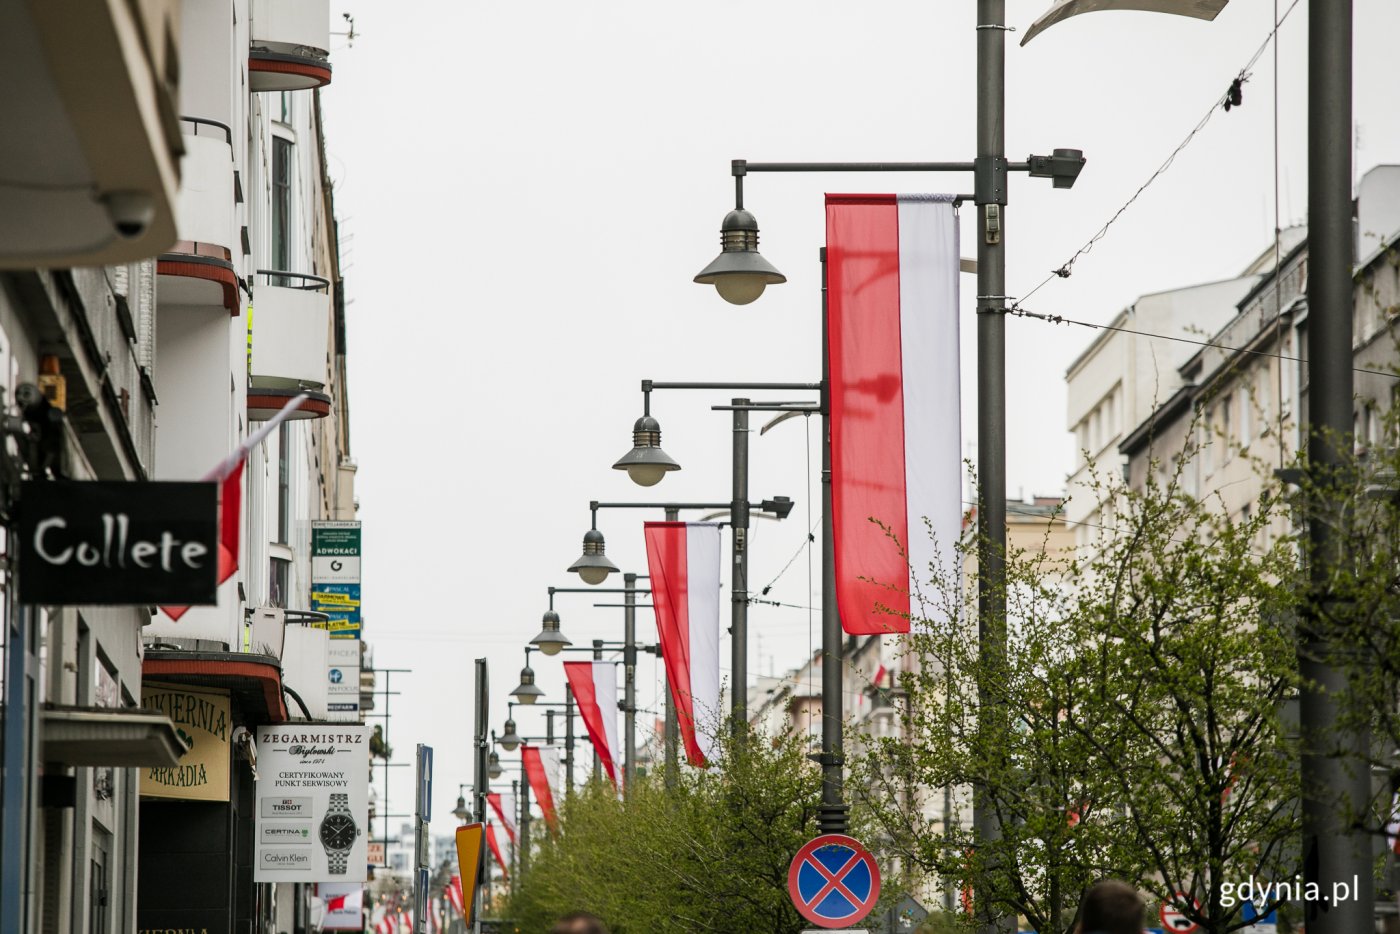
(117, 543)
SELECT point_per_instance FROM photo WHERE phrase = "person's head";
(579, 922)
(1111, 907)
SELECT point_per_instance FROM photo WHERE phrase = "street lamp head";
(593, 566)
(550, 641)
(510, 740)
(739, 273)
(1062, 167)
(460, 811)
(646, 463)
(527, 692)
(493, 765)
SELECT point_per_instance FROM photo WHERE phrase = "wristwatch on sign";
(338, 833)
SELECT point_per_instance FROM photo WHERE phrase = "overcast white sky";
(527, 189)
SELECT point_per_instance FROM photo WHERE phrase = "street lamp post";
(739, 509)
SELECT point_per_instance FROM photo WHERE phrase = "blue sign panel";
(833, 881)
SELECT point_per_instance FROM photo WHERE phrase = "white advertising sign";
(341, 906)
(343, 680)
(313, 803)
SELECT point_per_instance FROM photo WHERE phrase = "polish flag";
(595, 690)
(385, 925)
(454, 895)
(683, 558)
(542, 769)
(896, 459)
(496, 849)
(1392, 827)
(229, 475)
(504, 806)
(880, 673)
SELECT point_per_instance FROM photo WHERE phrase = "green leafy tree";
(710, 855)
(1135, 728)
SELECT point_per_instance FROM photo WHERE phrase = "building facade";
(169, 283)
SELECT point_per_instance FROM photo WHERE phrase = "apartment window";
(279, 580)
(1246, 400)
(284, 491)
(281, 203)
(284, 107)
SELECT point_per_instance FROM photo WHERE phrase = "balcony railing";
(198, 269)
(289, 331)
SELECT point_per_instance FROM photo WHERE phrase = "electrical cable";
(1230, 97)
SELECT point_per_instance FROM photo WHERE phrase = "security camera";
(131, 212)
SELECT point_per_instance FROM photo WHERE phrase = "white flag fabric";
(683, 559)
(595, 691)
(896, 437)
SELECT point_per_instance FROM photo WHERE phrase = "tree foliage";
(1136, 726)
(711, 854)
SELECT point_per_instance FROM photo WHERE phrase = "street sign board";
(116, 543)
(335, 575)
(1173, 921)
(833, 881)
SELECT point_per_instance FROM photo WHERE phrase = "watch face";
(338, 832)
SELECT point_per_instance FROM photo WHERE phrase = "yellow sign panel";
(468, 860)
(202, 719)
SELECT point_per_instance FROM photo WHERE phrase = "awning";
(254, 680)
(115, 737)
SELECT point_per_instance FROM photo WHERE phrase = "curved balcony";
(263, 404)
(289, 331)
(198, 269)
(289, 43)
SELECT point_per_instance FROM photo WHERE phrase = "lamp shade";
(550, 641)
(593, 566)
(460, 811)
(1064, 9)
(493, 765)
(739, 273)
(527, 692)
(510, 740)
(646, 463)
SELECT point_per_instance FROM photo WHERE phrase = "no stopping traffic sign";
(833, 881)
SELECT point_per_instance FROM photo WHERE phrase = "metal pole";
(597, 764)
(990, 185)
(1335, 777)
(739, 580)
(672, 736)
(629, 681)
(480, 779)
(832, 817)
(515, 850)
(524, 827)
(568, 739)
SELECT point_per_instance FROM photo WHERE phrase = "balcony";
(290, 39)
(198, 269)
(92, 177)
(289, 342)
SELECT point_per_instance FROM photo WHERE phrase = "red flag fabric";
(683, 560)
(595, 691)
(540, 784)
(230, 521)
(454, 895)
(504, 806)
(495, 845)
(896, 459)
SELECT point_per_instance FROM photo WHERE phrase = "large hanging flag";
(896, 461)
(542, 770)
(683, 558)
(496, 850)
(595, 690)
(228, 473)
(454, 895)
(504, 806)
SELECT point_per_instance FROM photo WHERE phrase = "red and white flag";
(454, 895)
(542, 769)
(683, 558)
(496, 849)
(228, 473)
(896, 459)
(1392, 826)
(504, 806)
(595, 690)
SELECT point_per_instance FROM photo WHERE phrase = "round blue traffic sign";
(833, 881)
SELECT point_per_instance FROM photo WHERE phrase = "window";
(284, 107)
(1246, 401)
(279, 578)
(281, 203)
(284, 505)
